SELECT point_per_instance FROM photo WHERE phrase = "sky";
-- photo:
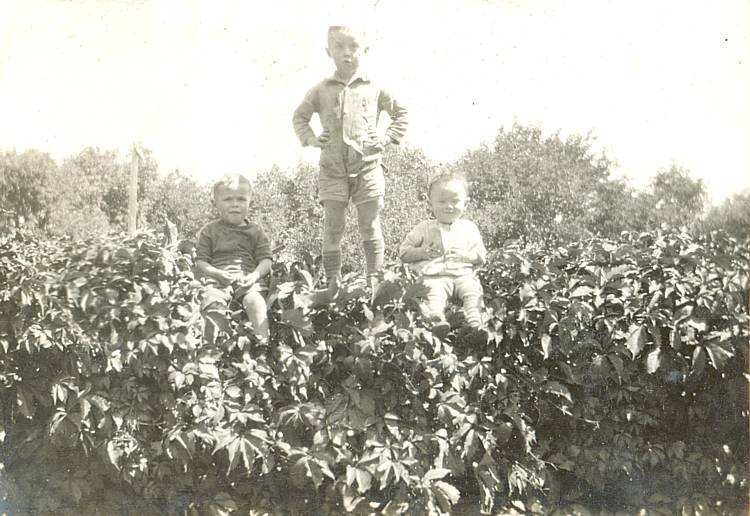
(210, 86)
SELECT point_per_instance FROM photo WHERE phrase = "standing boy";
(234, 254)
(447, 250)
(349, 105)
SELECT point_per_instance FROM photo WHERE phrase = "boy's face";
(233, 204)
(448, 201)
(346, 49)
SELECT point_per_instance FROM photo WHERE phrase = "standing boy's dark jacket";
(348, 112)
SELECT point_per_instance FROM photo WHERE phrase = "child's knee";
(214, 299)
(254, 301)
(371, 231)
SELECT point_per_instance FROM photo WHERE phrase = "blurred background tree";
(23, 182)
(538, 189)
(732, 215)
(527, 186)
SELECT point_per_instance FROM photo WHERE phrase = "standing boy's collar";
(362, 76)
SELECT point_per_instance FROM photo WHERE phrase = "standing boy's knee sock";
(332, 265)
(374, 251)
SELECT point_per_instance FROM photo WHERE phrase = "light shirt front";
(462, 234)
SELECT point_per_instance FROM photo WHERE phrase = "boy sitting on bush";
(234, 254)
(446, 251)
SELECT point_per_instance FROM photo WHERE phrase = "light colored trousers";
(466, 288)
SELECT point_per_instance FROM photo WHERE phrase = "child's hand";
(321, 140)
(248, 279)
(226, 278)
(431, 252)
(460, 255)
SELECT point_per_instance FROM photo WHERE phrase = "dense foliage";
(611, 376)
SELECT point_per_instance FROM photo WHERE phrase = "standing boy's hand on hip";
(376, 140)
(321, 140)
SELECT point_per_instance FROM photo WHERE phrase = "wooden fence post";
(133, 190)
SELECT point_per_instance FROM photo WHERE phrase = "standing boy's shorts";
(362, 188)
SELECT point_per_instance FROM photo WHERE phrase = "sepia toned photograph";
(477, 257)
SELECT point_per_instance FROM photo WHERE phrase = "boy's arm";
(398, 114)
(301, 120)
(225, 278)
(263, 268)
(412, 249)
(262, 253)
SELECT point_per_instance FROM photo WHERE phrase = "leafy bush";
(611, 375)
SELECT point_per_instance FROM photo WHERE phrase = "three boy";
(234, 253)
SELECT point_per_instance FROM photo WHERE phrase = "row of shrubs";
(611, 377)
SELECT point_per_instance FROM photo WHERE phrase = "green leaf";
(598, 365)
(351, 499)
(616, 362)
(558, 389)
(297, 319)
(114, 453)
(718, 354)
(637, 340)
(447, 495)
(699, 360)
(222, 505)
(364, 479)
(582, 291)
(653, 361)
(388, 291)
(436, 474)
(546, 342)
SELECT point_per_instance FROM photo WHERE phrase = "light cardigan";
(461, 234)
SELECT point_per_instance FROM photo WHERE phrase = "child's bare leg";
(334, 223)
(257, 313)
(368, 219)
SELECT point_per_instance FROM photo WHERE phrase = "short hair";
(231, 181)
(446, 176)
(358, 32)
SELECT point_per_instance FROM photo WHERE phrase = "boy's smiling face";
(346, 49)
(448, 200)
(233, 204)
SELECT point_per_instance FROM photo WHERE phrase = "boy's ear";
(328, 52)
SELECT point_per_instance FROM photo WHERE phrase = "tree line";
(527, 186)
